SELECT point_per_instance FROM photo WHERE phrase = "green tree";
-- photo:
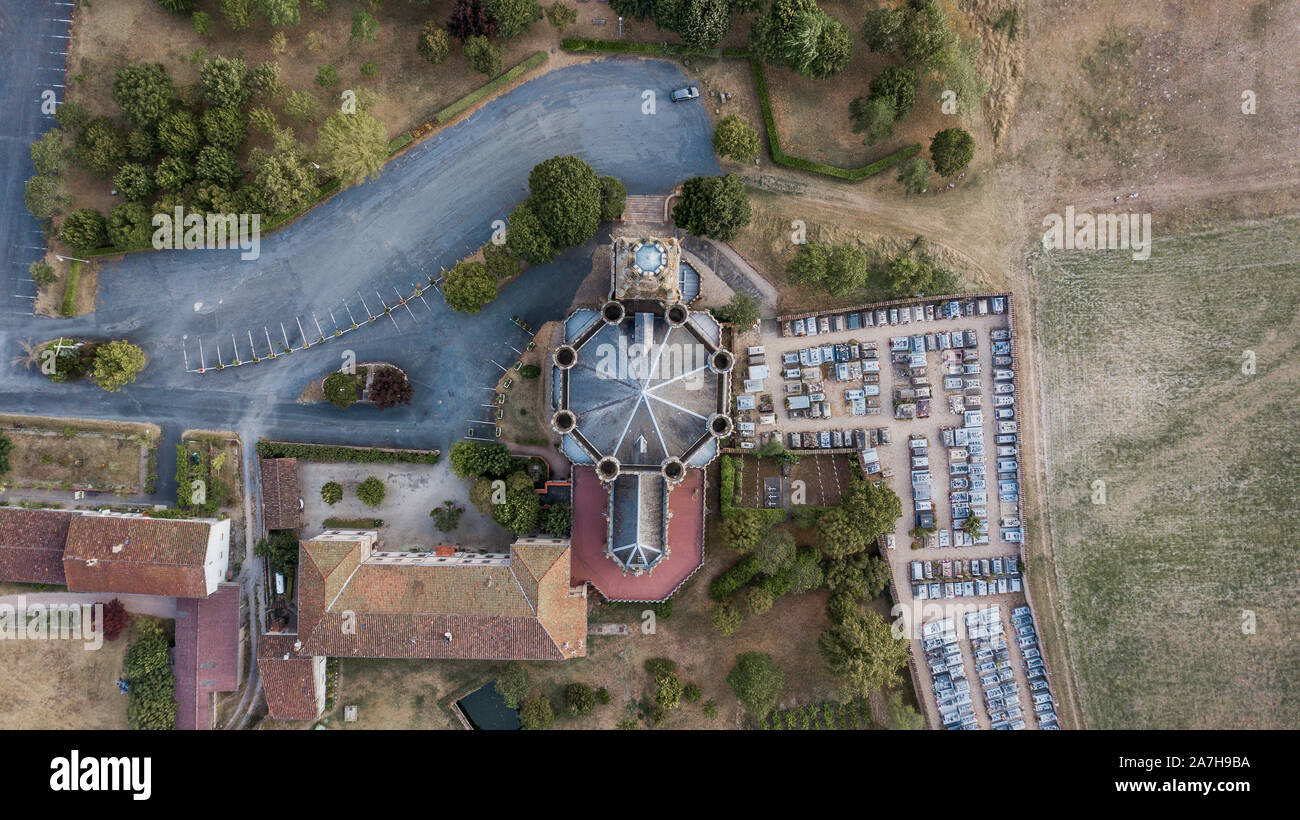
(365, 28)
(327, 76)
(513, 684)
(302, 106)
(703, 23)
(468, 286)
(527, 239)
(882, 30)
(838, 535)
(202, 23)
(283, 180)
(725, 617)
(144, 92)
(483, 55)
(84, 229)
(741, 310)
(769, 33)
(224, 82)
(217, 165)
(874, 510)
(48, 154)
(847, 270)
(862, 652)
(43, 196)
(71, 116)
(434, 45)
(613, 198)
(513, 16)
(147, 654)
(42, 274)
(561, 16)
(177, 6)
(280, 549)
(371, 492)
(238, 13)
(331, 492)
(522, 508)
(179, 134)
(775, 551)
(173, 173)
(760, 599)
(565, 194)
(817, 45)
(447, 517)
(134, 181)
(580, 699)
(536, 713)
(736, 138)
(353, 147)
(280, 13)
(951, 149)
(557, 520)
(101, 147)
(265, 81)
(897, 84)
(130, 225)
(743, 528)
(757, 682)
(715, 207)
(926, 32)
(861, 575)
(901, 715)
(471, 459)
(140, 144)
(914, 175)
(117, 364)
(668, 690)
(873, 117)
(341, 389)
(809, 264)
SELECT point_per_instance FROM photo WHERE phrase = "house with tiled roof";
(31, 545)
(279, 483)
(180, 558)
(355, 600)
(208, 655)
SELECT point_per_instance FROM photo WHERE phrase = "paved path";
(431, 206)
(154, 605)
(735, 270)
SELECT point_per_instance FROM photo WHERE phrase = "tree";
(873, 117)
(341, 389)
(172, 174)
(238, 13)
(914, 175)
(390, 387)
(42, 274)
(202, 23)
(225, 128)
(809, 263)
(805, 574)
(715, 207)
(140, 144)
(217, 165)
(757, 682)
(862, 652)
(283, 181)
(901, 715)
(742, 529)
(668, 690)
(613, 198)
(882, 30)
(565, 194)
(513, 684)
(134, 181)
(536, 713)
(447, 517)
(847, 270)
(522, 507)
(703, 23)
(741, 310)
(769, 32)
(725, 617)
(265, 81)
(561, 16)
(861, 575)
(302, 106)
(469, 286)
(371, 492)
(43, 196)
(365, 28)
(101, 146)
(926, 32)
(114, 619)
(580, 699)
(353, 147)
(434, 45)
(327, 76)
(513, 17)
(84, 229)
(557, 520)
(775, 551)
(71, 115)
(144, 92)
(177, 6)
(331, 492)
(951, 149)
(224, 82)
(483, 55)
(760, 599)
(130, 225)
(898, 85)
(526, 238)
(736, 138)
(179, 134)
(838, 535)
(471, 459)
(873, 510)
(817, 45)
(280, 549)
(48, 154)
(147, 655)
(280, 13)
(470, 19)
(117, 364)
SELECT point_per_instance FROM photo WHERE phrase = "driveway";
(429, 208)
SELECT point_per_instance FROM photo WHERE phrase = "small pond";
(486, 710)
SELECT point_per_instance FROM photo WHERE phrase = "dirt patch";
(69, 454)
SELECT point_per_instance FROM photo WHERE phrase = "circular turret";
(673, 469)
(721, 361)
(608, 468)
(720, 425)
(564, 421)
(613, 312)
(676, 315)
(565, 357)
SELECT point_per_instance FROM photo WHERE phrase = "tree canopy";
(757, 682)
(715, 207)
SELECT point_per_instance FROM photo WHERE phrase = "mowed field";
(1178, 586)
(59, 684)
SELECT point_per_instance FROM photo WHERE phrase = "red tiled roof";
(288, 679)
(207, 654)
(31, 545)
(685, 540)
(280, 494)
(145, 556)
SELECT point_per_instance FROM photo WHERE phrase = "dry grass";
(61, 685)
(73, 454)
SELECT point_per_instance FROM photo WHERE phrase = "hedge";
(343, 453)
(69, 307)
(353, 523)
(399, 142)
(741, 573)
(446, 114)
(625, 47)
(782, 158)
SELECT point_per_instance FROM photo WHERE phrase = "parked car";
(689, 92)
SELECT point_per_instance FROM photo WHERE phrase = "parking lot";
(824, 477)
(928, 406)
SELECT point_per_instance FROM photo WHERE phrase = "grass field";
(59, 684)
(1144, 390)
(66, 454)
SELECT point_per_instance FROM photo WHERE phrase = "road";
(429, 208)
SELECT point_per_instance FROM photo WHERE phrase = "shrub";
(715, 207)
(741, 573)
(580, 699)
(389, 387)
(951, 150)
(342, 389)
(371, 492)
(469, 286)
(536, 713)
(736, 138)
(115, 619)
(613, 198)
(42, 273)
(483, 55)
(725, 617)
(668, 690)
(327, 76)
(447, 517)
(757, 682)
(692, 693)
(331, 492)
(513, 684)
(471, 459)
(561, 16)
(434, 45)
(343, 454)
(85, 229)
(500, 261)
